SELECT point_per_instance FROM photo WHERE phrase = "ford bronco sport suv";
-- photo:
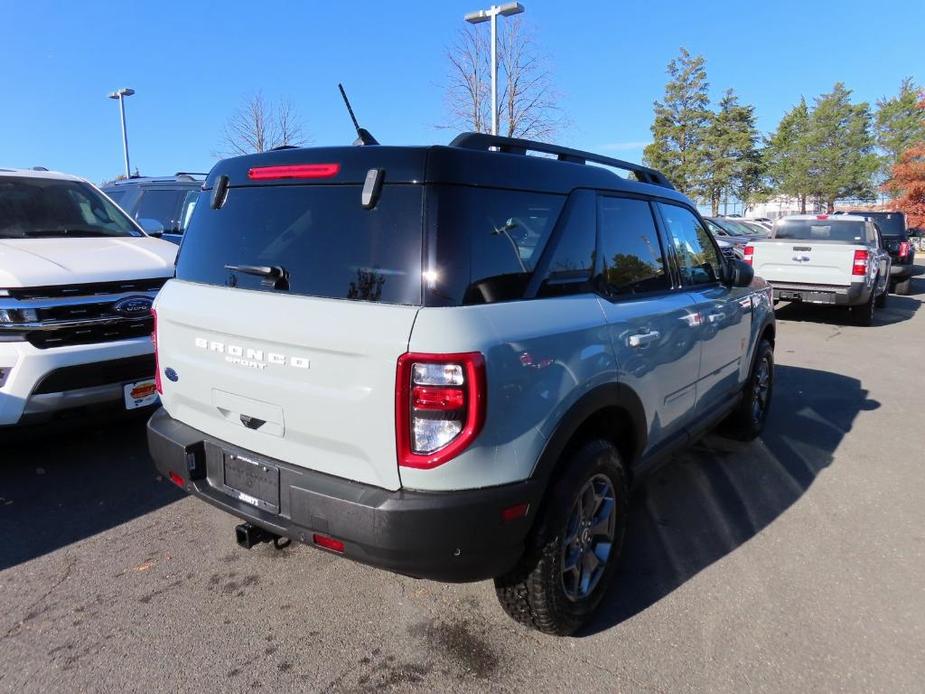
(450, 362)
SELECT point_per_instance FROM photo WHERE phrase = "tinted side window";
(572, 261)
(631, 253)
(160, 205)
(699, 261)
(486, 243)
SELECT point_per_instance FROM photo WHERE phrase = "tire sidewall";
(595, 457)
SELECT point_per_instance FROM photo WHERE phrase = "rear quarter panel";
(541, 357)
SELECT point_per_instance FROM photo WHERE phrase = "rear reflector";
(748, 252)
(512, 513)
(177, 480)
(264, 173)
(328, 543)
(860, 263)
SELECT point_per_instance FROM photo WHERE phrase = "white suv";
(77, 279)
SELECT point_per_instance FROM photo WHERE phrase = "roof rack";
(190, 173)
(512, 145)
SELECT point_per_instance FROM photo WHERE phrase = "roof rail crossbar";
(512, 145)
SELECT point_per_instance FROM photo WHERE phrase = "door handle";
(716, 317)
(643, 339)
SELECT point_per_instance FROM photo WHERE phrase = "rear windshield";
(36, 207)
(822, 230)
(890, 223)
(322, 236)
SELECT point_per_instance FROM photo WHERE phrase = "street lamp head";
(477, 17)
(125, 91)
(510, 8)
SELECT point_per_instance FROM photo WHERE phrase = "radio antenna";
(363, 135)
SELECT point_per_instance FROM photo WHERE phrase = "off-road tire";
(744, 423)
(534, 592)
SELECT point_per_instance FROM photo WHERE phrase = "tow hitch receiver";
(248, 535)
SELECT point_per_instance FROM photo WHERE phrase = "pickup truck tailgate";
(802, 262)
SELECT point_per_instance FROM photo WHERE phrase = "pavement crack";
(69, 562)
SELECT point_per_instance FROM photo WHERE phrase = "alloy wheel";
(589, 536)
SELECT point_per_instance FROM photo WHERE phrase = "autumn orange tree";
(909, 179)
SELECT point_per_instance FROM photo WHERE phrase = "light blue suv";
(451, 362)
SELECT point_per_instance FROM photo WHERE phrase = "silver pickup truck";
(839, 260)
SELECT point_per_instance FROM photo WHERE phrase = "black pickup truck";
(892, 227)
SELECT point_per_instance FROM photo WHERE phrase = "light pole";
(120, 95)
(507, 9)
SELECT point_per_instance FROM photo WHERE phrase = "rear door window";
(325, 240)
(631, 254)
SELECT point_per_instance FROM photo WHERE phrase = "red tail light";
(439, 406)
(822, 216)
(903, 249)
(860, 263)
(265, 173)
(748, 252)
(177, 480)
(157, 365)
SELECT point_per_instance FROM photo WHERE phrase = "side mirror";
(739, 273)
(152, 227)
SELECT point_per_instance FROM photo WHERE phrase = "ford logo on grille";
(133, 306)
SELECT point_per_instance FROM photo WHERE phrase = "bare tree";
(258, 126)
(528, 104)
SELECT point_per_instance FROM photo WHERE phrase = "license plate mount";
(251, 481)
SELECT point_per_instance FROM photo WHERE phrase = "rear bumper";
(845, 295)
(446, 536)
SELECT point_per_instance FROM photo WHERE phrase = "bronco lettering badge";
(250, 357)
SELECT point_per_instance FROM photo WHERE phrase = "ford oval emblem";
(133, 306)
(171, 375)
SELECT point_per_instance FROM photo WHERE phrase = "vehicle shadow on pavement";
(65, 481)
(716, 496)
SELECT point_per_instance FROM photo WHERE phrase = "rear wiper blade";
(275, 276)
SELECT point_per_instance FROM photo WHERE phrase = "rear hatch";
(810, 252)
(292, 304)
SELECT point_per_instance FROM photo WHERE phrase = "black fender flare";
(600, 398)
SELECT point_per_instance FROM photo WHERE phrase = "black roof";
(471, 159)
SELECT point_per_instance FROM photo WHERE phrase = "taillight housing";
(748, 254)
(860, 263)
(440, 405)
(903, 249)
(157, 364)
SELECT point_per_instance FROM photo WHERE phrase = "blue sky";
(192, 63)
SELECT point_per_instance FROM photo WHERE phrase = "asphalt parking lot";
(791, 564)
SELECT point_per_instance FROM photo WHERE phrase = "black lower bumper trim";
(446, 536)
